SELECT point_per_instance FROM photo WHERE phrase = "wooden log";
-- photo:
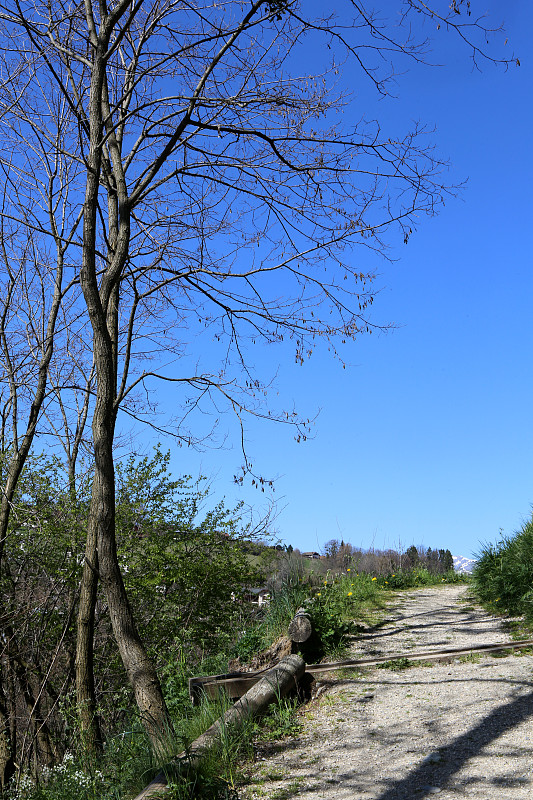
(275, 683)
(300, 629)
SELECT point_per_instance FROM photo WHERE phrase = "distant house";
(311, 555)
(261, 596)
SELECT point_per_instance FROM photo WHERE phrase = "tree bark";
(85, 689)
(139, 668)
(36, 722)
(102, 301)
(7, 755)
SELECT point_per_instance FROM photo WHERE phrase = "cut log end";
(300, 629)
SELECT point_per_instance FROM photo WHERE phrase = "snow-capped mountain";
(463, 564)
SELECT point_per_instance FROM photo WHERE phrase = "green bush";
(339, 601)
(251, 642)
(503, 575)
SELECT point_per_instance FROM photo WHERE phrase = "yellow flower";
(386, 581)
(350, 594)
(318, 595)
(351, 584)
(374, 579)
(325, 583)
(393, 575)
(348, 570)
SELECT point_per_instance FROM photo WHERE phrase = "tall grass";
(503, 575)
(284, 603)
(419, 576)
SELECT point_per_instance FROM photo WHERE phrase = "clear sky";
(426, 437)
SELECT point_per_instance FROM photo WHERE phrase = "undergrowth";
(503, 575)
(335, 602)
(412, 578)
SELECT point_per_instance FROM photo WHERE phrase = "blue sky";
(426, 437)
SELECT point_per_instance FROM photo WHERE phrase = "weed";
(286, 792)
(396, 664)
(273, 775)
(418, 576)
(517, 628)
(336, 605)
(470, 658)
(280, 722)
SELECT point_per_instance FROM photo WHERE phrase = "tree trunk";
(300, 628)
(36, 723)
(102, 301)
(7, 756)
(85, 690)
(139, 668)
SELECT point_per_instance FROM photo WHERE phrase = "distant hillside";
(463, 564)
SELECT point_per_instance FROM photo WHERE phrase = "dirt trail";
(457, 730)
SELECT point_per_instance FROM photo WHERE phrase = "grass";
(470, 658)
(503, 575)
(127, 764)
(415, 577)
(286, 792)
(280, 722)
(517, 629)
(397, 664)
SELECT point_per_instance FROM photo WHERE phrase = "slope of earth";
(457, 730)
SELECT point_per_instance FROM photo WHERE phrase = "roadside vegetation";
(503, 575)
(195, 610)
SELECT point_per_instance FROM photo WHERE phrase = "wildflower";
(350, 594)
(318, 595)
(348, 570)
(386, 581)
(393, 575)
(374, 579)
(325, 583)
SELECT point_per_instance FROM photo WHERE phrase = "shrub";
(503, 575)
(336, 605)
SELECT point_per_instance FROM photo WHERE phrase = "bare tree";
(33, 290)
(72, 389)
(201, 189)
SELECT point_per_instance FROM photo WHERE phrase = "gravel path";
(458, 730)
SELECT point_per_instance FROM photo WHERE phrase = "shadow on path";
(457, 753)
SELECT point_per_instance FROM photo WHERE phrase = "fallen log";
(275, 683)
